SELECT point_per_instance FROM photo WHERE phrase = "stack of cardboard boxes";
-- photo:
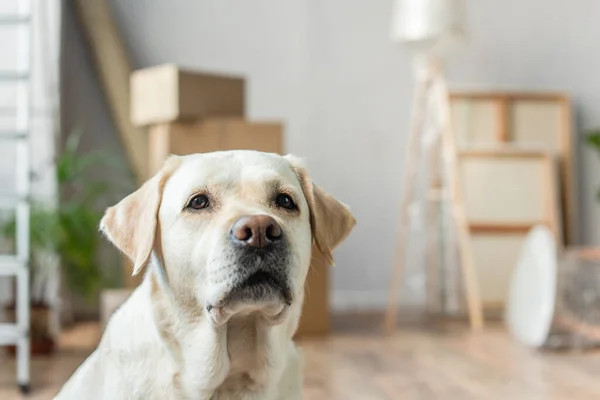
(185, 112)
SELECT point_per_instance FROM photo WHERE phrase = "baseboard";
(348, 302)
(343, 301)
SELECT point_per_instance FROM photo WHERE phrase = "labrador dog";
(226, 240)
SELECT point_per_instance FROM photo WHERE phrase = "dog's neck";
(250, 354)
(237, 357)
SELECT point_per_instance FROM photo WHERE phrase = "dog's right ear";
(132, 223)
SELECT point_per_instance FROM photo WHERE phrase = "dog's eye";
(199, 202)
(285, 201)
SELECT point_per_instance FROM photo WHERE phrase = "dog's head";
(233, 230)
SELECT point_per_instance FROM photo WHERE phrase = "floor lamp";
(431, 29)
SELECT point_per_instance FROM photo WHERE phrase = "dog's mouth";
(263, 291)
(260, 278)
(261, 286)
(258, 284)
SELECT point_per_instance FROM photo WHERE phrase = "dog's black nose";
(257, 231)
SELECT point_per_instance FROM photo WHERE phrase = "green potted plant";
(65, 236)
(592, 139)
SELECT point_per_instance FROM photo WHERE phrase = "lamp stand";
(431, 106)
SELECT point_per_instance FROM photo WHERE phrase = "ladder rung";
(12, 135)
(437, 194)
(14, 19)
(11, 266)
(9, 200)
(13, 76)
(10, 334)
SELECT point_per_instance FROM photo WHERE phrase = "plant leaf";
(593, 140)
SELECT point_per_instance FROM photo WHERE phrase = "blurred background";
(485, 258)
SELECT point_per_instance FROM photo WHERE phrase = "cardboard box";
(130, 281)
(212, 134)
(316, 318)
(168, 93)
(110, 301)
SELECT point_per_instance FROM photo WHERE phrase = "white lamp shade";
(429, 25)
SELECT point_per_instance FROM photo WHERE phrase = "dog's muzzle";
(261, 264)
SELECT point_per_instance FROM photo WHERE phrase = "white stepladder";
(17, 133)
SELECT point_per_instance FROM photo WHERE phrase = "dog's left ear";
(331, 220)
(131, 225)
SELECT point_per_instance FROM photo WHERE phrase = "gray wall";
(330, 72)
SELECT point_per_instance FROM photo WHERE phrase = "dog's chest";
(250, 358)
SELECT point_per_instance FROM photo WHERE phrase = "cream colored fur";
(164, 343)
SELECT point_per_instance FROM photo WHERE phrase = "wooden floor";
(417, 363)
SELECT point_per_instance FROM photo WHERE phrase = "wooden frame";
(495, 255)
(506, 229)
(551, 207)
(506, 106)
